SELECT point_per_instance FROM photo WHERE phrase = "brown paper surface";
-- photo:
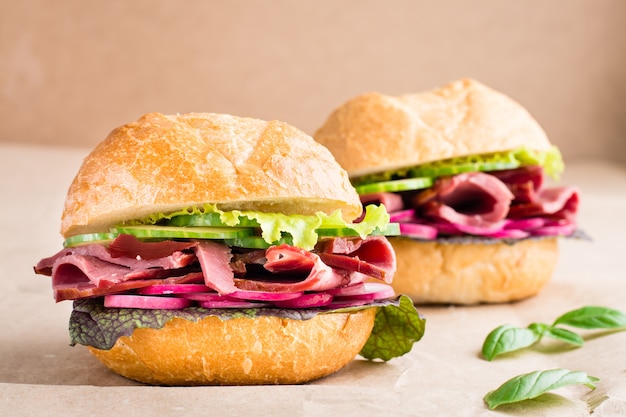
(40, 374)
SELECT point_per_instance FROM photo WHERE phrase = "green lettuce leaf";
(550, 160)
(398, 324)
(301, 228)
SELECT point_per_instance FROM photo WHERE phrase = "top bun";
(374, 132)
(164, 163)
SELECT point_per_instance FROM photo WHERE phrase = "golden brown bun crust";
(240, 351)
(375, 132)
(164, 163)
(456, 273)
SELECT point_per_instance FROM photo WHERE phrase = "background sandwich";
(464, 170)
(214, 249)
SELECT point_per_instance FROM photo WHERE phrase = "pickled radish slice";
(402, 215)
(420, 231)
(204, 296)
(229, 303)
(265, 296)
(369, 291)
(306, 301)
(555, 230)
(161, 289)
(145, 302)
(348, 290)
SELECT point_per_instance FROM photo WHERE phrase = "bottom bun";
(472, 273)
(240, 351)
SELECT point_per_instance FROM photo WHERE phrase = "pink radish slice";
(416, 230)
(265, 296)
(556, 230)
(524, 224)
(402, 215)
(232, 304)
(204, 296)
(307, 301)
(509, 234)
(145, 302)
(353, 289)
(346, 303)
(371, 291)
(173, 289)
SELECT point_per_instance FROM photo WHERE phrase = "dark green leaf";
(593, 317)
(508, 338)
(533, 384)
(395, 331)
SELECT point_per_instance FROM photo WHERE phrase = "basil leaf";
(533, 384)
(395, 331)
(564, 335)
(593, 317)
(508, 338)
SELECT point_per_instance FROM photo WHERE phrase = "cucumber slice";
(405, 184)
(455, 166)
(101, 238)
(392, 229)
(208, 219)
(172, 232)
(256, 242)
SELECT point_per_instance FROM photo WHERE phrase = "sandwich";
(473, 181)
(210, 249)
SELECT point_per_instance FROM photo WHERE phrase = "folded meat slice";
(293, 270)
(92, 270)
(523, 182)
(172, 258)
(373, 257)
(473, 200)
(335, 263)
(215, 260)
(557, 203)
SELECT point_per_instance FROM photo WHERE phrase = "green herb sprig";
(508, 338)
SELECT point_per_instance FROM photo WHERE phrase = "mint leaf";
(593, 317)
(508, 338)
(395, 331)
(533, 384)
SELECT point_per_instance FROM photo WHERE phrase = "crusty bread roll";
(164, 163)
(472, 273)
(240, 351)
(375, 133)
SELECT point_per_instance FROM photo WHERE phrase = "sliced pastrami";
(475, 200)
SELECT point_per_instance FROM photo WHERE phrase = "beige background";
(72, 70)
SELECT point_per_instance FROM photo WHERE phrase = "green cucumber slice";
(172, 232)
(392, 229)
(101, 238)
(256, 242)
(455, 166)
(208, 219)
(405, 184)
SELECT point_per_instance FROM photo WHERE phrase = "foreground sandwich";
(463, 169)
(213, 249)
